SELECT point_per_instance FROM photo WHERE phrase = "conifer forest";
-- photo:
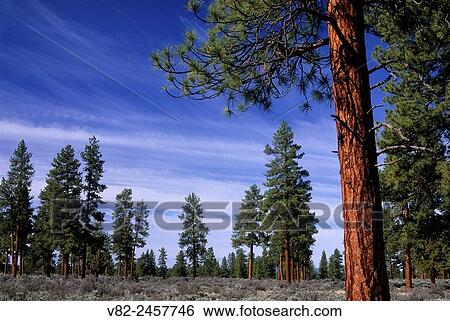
(380, 68)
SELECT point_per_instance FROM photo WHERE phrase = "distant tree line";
(65, 234)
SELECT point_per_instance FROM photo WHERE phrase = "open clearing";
(115, 288)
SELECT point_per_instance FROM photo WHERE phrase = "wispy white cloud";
(169, 143)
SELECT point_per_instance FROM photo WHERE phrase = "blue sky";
(72, 69)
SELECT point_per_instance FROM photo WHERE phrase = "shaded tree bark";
(21, 271)
(433, 273)
(250, 261)
(287, 258)
(408, 268)
(280, 268)
(365, 269)
(5, 269)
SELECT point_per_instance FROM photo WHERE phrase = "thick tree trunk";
(250, 261)
(287, 258)
(365, 268)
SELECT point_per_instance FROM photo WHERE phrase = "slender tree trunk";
(79, 267)
(365, 269)
(97, 270)
(250, 261)
(125, 268)
(194, 261)
(298, 271)
(132, 261)
(292, 269)
(408, 272)
(21, 271)
(5, 268)
(281, 267)
(287, 258)
(433, 273)
(83, 260)
(14, 239)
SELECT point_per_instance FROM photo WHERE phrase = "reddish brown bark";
(287, 258)
(250, 261)
(408, 274)
(365, 269)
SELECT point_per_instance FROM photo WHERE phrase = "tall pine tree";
(15, 200)
(288, 194)
(162, 263)
(193, 236)
(122, 236)
(140, 228)
(247, 224)
(91, 218)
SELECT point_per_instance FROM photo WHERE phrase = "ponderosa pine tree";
(444, 191)
(146, 264)
(91, 218)
(180, 266)
(335, 267)
(267, 268)
(4, 228)
(122, 236)
(410, 178)
(247, 224)
(162, 263)
(210, 266)
(286, 199)
(193, 236)
(231, 263)
(140, 228)
(257, 50)
(240, 263)
(323, 266)
(60, 204)
(224, 268)
(16, 205)
(42, 239)
(99, 255)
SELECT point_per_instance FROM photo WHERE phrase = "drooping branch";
(404, 147)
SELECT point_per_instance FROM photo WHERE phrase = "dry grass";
(114, 288)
